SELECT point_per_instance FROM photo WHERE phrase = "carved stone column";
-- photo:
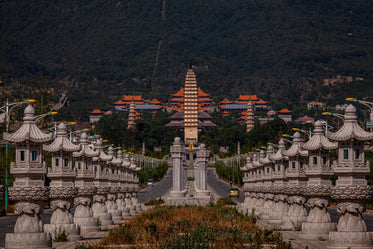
(351, 190)
(85, 174)
(62, 189)
(176, 155)
(281, 206)
(111, 201)
(28, 190)
(297, 179)
(202, 156)
(318, 170)
(100, 181)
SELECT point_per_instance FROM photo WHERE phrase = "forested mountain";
(97, 50)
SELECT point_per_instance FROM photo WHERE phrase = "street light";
(366, 103)
(334, 114)
(38, 117)
(308, 133)
(5, 109)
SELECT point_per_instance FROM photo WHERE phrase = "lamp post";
(7, 109)
(366, 103)
(308, 133)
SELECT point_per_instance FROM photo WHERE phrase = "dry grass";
(192, 227)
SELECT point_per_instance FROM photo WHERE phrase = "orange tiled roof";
(96, 111)
(202, 93)
(244, 113)
(261, 102)
(155, 102)
(241, 102)
(225, 101)
(176, 100)
(179, 93)
(225, 112)
(204, 99)
(132, 98)
(137, 113)
(284, 110)
(247, 97)
(119, 102)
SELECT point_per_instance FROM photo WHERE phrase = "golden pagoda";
(190, 108)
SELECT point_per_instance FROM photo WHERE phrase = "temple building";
(176, 102)
(124, 103)
(95, 115)
(285, 115)
(140, 105)
(204, 121)
(226, 107)
(190, 108)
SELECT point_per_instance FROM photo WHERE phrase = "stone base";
(104, 219)
(202, 193)
(28, 240)
(72, 230)
(116, 216)
(178, 194)
(317, 230)
(86, 224)
(293, 222)
(133, 210)
(352, 240)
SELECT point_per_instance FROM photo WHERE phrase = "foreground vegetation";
(192, 227)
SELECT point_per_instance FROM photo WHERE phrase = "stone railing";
(280, 184)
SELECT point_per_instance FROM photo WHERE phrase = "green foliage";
(229, 173)
(225, 201)
(190, 178)
(60, 237)
(154, 202)
(156, 174)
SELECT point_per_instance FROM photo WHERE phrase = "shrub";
(60, 237)
(225, 201)
(154, 202)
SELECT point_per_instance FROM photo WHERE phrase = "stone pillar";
(62, 189)
(202, 156)
(28, 189)
(176, 155)
(101, 183)
(85, 174)
(297, 180)
(267, 182)
(318, 171)
(281, 206)
(113, 176)
(351, 190)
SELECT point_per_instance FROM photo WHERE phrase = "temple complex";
(190, 108)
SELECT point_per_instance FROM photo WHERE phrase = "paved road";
(220, 187)
(158, 190)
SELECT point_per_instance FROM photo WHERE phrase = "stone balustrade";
(279, 184)
(102, 187)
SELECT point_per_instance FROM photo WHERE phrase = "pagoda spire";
(190, 108)
(250, 117)
(132, 117)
